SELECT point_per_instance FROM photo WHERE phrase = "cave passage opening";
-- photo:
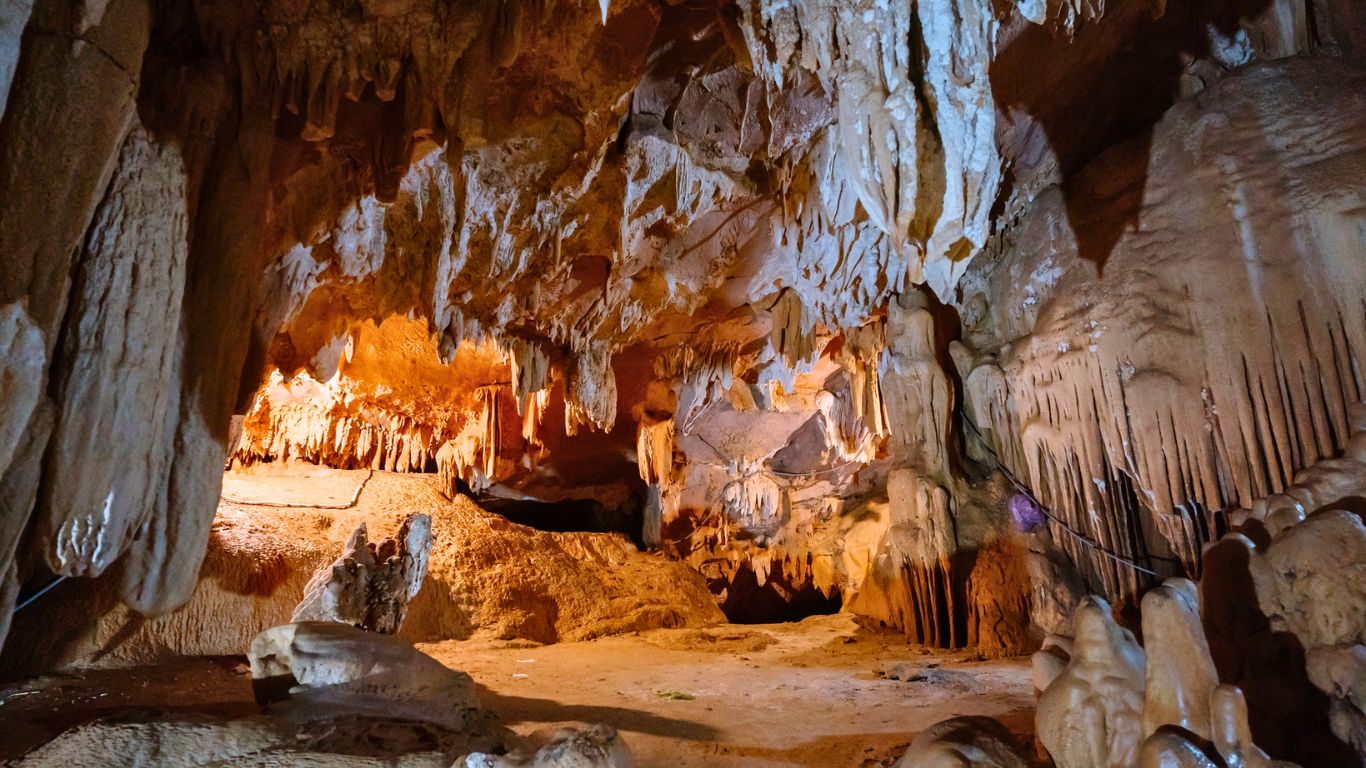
(777, 600)
(569, 515)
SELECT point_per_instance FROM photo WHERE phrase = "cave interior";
(728, 383)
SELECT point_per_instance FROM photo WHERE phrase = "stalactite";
(926, 178)
(859, 356)
(472, 455)
(753, 499)
(655, 451)
(846, 431)
(530, 369)
(533, 415)
(119, 363)
(327, 423)
(792, 334)
(591, 396)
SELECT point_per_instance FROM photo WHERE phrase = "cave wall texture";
(796, 277)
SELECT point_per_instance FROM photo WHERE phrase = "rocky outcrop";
(117, 369)
(369, 586)
(332, 666)
(964, 741)
(596, 747)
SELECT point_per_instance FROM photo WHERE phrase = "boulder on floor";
(328, 667)
(597, 747)
(964, 742)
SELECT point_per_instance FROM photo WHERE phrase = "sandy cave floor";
(811, 693)
(763, 695)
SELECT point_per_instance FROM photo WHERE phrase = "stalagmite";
(916, 392)
(369, 586)
(1311, 581)
(1180, 677)
(1091, 716)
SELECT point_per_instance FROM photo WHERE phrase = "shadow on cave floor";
(721, 697)
(524, 709)
(35, 711)
(1068, 86)
(804, 693)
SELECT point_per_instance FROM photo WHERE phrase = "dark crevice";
(570, 515)
(776, 601)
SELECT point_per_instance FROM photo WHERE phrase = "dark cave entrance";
(777, 601)
(568, 515)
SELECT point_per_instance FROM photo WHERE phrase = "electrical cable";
(1021, 489)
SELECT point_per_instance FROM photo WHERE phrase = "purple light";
(1027, 515)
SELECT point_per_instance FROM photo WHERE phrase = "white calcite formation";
(327, 665)
(964, 741)
(122, 348)
(1152, 387)
(369, 585)
(597, 747)
(1112, 704)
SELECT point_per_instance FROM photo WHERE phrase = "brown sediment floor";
(804, 694)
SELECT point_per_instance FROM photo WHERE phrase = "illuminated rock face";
(1155, 386)
(793, 279)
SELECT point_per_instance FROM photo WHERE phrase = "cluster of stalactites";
(713, 548)
(591, 391)
(862, 418)
(702, 377)
(928, 181)
(1068, 13)
(472, 455)
(325, 423)
(1105, 447)
(530, 368)
(792, 335)
(754, 498)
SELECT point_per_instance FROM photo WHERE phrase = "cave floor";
(811, 693)
(807, 694)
